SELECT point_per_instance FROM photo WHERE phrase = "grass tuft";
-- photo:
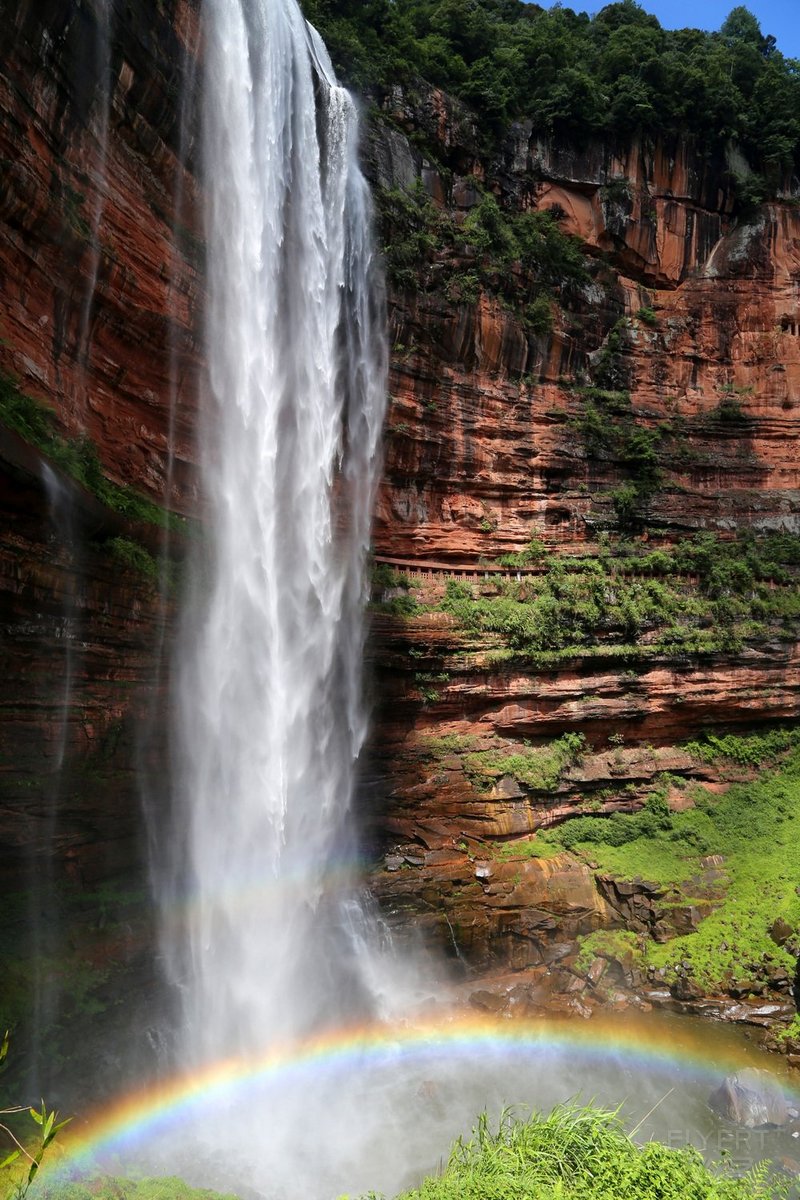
(579, 1153)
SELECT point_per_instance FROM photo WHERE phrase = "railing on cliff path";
(431, 572)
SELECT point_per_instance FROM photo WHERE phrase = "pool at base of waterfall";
(377, 1108)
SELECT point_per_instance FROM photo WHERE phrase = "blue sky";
(778, 17)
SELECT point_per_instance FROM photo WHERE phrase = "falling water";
(45, 928)
(97, 169)
(271, 719)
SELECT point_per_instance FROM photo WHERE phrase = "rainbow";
(161, 1110)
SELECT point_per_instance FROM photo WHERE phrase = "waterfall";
(96, 169)
(270, 710)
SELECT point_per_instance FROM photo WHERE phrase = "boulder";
(685, 988)
(752, 1098)
(780, 931)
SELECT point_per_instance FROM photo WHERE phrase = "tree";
(741, 25)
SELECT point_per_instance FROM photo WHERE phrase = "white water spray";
(271, 719)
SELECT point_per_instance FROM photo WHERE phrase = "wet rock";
(506, 788)
(779, 979)
(686, 989)
(745, 987)
(524, 1002)
(557, 951)
(751, 1098)
(780, 931)
(659, 997)
(491, 1002)
(579, 1008)
(596, 971)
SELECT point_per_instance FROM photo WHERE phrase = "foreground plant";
(15, 1181)
(582, 1154)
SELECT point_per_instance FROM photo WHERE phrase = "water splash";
(271, 717)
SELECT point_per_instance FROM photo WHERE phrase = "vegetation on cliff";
(524, 258)
(77, 457)
(750, 829)
(615, 74)
(641, 605)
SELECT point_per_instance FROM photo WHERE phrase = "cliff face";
(691, 319)
(684, 329)
(99, 250)
(481, 425)
(99, 260)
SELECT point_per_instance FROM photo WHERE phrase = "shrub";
(579, 1153)
(21, 1166)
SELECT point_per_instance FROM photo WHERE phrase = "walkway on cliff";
(430, 572)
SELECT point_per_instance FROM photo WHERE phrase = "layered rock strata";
(692, 312)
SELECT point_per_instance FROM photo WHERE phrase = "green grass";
(525, 848)
(581, 1154)
(659, 862)
(746, 750)
(104, 1187)
(538, 767)
(573, 1153)
(753, 826)
(446, 744)
(605, 943)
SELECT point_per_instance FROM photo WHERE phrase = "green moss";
(614, 944)
(539, 767)
(525, 848)
(609, 431)
(135, 557)
(752, 826)
(78, 458)
(448, 743)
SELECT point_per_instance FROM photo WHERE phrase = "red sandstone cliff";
(101, 268)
